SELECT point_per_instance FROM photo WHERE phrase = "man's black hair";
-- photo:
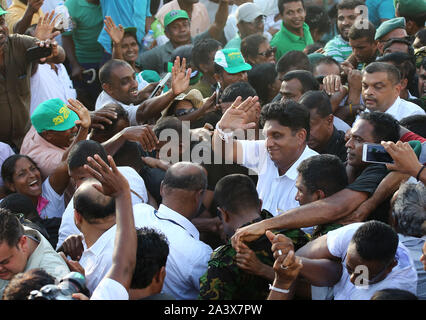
(184, 51)
(317, 100)
(349, 4)
(404, 62)
(392, 72)
(151, 256)
(288, 113)
(421, 34)
(317, 19)
(236, 193)
(93, 205)
(83, 149)
(11, 229)
(356, 33)
(107, 69)
(202, 50)
(261, 77)
(386, 127)
(293, 60)
(324, 172)
(375, 241)
(236, 89)
(20, 203)
(324, 60)
(21, 285)
(393, 294)
(399, 40)
(306, 79)
(172, 123)
(415, 123)
(110, 128)
(281, 4)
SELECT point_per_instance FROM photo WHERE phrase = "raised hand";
(241, 115)
(82, 112)
(103, 116)
(113, 183)
(180, 76)
(45, 26)
(116, 33)
(405, 160)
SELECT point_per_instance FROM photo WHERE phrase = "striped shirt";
(338, 48)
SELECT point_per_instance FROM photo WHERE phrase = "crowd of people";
(213, 149)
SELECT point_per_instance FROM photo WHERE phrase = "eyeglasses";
(182, 112)
(271, 51)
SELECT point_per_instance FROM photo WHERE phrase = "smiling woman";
(22, 175)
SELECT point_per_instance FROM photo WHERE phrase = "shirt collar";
(291, 35)
(394, 106)
(166, 212)
(106, 238)
(292, 172)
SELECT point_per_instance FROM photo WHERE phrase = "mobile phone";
(161, 84)
(36, 53)
(375, 153)
(217, 93)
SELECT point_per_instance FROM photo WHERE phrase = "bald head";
(187, 176)
(91, 204)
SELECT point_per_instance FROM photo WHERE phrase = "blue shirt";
(128, 13)
(380, 9)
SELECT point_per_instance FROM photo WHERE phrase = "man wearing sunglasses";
(250, 20)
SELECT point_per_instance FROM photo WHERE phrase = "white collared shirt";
(97, 259)
(402, 108)
(188, 256)
(104, 98)
(136, 183)
(277, 192)
(403, 276)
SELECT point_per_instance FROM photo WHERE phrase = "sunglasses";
(268, 52)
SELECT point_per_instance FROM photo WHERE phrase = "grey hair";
(410, 209)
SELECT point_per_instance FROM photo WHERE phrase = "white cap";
(248, 12)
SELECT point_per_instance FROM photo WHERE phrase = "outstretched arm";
(114, 184)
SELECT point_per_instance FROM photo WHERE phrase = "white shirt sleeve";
(338, 240)
(68, 226)
(56, 205)
(109, 289)
(254, 154)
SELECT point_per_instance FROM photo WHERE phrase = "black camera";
(73, 282)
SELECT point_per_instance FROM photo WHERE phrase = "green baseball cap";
(410, 7)
(231, 60)
(132, 30)
(388, 26)
(2, 11)
(174, 15)
(53, 115)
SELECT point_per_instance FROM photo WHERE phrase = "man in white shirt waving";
(275, 159)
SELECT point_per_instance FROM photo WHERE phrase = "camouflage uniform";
(324, 229)
(225, 281)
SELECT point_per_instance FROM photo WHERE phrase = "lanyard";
(172, 221)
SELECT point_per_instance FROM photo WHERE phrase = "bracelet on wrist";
(225, 136)
(419, 173)
(271, 287)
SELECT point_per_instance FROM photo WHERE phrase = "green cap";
(231, 60)
(410, 7)
(53, 115)
(174, 15)
(388, 26)
(132, 30)
(2, 11)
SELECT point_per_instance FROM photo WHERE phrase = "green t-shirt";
(285, 41)
(88, 23)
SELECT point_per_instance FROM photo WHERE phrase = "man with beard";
(339, 47)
